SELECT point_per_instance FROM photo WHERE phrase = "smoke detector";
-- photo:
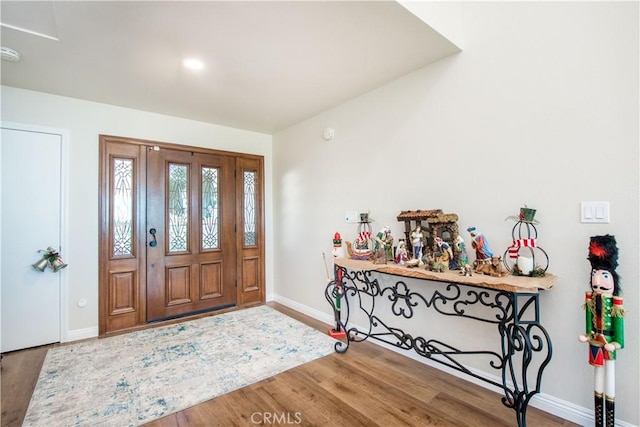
(9, 54)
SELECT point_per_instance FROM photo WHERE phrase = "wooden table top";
(510, 283)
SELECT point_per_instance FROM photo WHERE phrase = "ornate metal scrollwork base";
(525, 344)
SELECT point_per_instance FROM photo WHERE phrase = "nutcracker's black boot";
(611, 413)
(598, 399)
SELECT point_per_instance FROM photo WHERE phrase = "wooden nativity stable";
(434, 224)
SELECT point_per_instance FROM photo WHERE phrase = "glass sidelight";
(178, 209)
(122, 207)
(249, 208)
(210, 235)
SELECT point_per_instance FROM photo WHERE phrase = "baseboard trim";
(316, 314)
(547, 403)
(81, 334)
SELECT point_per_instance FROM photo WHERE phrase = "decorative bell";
(41, 265)
(57, 265)
(51, 258)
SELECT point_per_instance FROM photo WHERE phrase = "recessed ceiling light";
(193, 64)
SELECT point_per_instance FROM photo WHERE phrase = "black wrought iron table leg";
(523, 336)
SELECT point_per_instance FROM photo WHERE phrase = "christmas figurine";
(338, 252)
(604, 324)
(417, 242)
(401, 253)
(383, 245)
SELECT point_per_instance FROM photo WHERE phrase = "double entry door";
(182, 232)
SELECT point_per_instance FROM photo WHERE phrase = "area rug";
(134, 378)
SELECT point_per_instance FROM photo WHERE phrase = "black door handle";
(154, 242)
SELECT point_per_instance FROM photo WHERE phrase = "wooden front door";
(191, 252)
(181, 232)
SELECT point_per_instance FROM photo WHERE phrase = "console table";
(511, 303)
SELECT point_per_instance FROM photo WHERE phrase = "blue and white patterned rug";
(131, 379)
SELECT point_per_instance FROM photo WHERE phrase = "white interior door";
(30, 197)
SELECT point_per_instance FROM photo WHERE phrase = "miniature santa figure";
(604, 324)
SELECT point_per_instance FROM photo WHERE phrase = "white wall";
(443, 16)
(85, 121)
(540, 108)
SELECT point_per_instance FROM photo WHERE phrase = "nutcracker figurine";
(338, 252)
(604, 324)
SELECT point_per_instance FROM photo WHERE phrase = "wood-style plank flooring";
(367, 386)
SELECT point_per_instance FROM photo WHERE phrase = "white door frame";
(64, 163)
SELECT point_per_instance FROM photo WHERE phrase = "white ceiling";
(269, 64)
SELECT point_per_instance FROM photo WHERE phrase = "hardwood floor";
(367, 386)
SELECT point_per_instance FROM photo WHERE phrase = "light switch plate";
(351, 216)
(594, 212)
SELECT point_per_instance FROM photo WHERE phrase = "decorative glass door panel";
(210, 234)
(251, 240)
(249, 209)
(178, 209)
(123, 203)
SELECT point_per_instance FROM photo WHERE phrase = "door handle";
(154, 242)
